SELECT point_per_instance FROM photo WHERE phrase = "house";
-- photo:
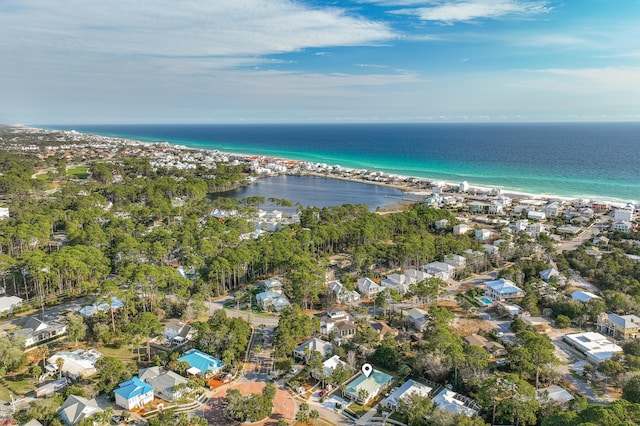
(337, 320)
(271, 284)
(536, 215)
(36, 331)
(510, 309)
(494, 349)
(77, 408)
(441, 224)
(622, 225)
(583, 296)
(620, 327)
(177, 330)
(342, 294)
(166, 384)
(397, 282)
(76, 364)
(201, 364)
(594, 346)
(625, 214)
(4, 213)
(502, 289)
(415, 276)
(382, 328)
(483, 234)
(455, 260)
(302, 352)
(441, 270)
(454, 403)
(547, 274)
(418, 318)
(368, 288)
(9, 303)
(89, 310)
(328, 366)
(552, 209)
(32, 422)
(133, 393)
(272, 300)
(363, 389)
(554, 394)
(408, 388)
(461, 229)
(537, 323)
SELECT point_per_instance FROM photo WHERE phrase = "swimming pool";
(484, 300)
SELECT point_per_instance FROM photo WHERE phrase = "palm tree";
(60, 364)
(313, 415)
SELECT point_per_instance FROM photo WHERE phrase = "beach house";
(402, 393)
(620, 327)
(368, 288)
(363, 389)
(133, 393)
(77, 408)
(418, 318)
(502, 289)
(166, 384)
(201, 364)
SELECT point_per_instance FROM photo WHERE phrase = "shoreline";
(408, 184)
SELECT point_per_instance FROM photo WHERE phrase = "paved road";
(252, 317)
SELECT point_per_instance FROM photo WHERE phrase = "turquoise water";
(591, 160)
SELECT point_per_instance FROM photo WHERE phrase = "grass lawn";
(358, 409)
(124, 352)
(79, 172)
(19, 384)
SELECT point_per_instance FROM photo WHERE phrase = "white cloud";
(186, 28)
(449, 12)
(587, 80)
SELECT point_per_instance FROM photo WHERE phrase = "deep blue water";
(318, 192)
(597, 160)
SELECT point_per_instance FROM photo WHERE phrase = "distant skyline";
(224, 61)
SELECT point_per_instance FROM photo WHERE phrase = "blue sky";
(228, 61)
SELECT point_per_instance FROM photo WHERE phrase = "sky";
(242, 61)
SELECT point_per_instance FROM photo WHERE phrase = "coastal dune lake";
(318, 192)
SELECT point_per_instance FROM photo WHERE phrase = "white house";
(547, 274)
(324, 348)
(36, 331)
(622, 225)
(79, 363)
(625, 214)
(415, 276)
(4, 212)
(455, 260)
(396, 282)
(337, 321)
(76, 408)
(343, 295)
(502, 290)
(483, 234)
(595, 346)
(461, 229)
(329, 366)
(368, 288)
(133, 393)
(408, 388)
(454, 403)
(164, 383)
(583, 296)
(418, 318)
(441, 270)
(9, 303)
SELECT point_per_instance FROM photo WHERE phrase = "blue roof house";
(201, 364)
(133, 393)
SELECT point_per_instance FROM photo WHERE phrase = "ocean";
(587, 160)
